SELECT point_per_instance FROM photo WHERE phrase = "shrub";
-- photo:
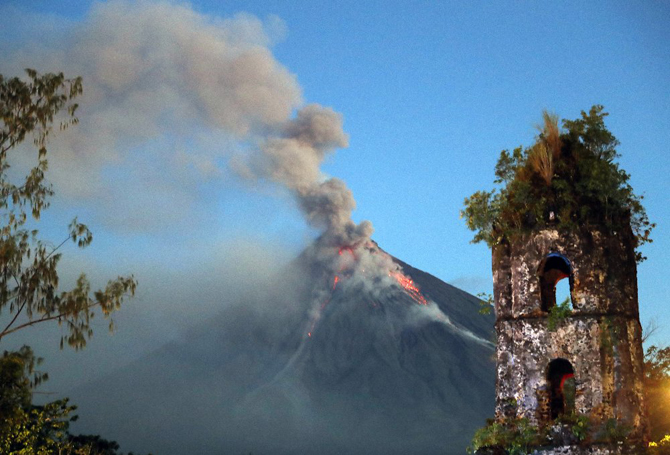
(566, 179)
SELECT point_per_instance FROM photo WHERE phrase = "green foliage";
(28, 272)
(29, 108)
(480, 212)
(486, 302)
(40, 430)
(95, 444)
(657, 364)
(516, 436)
(558, 313)
(18, 375)
(28, 265)
(26, 429)
(568, 180)
(615, 432)
(578, 424)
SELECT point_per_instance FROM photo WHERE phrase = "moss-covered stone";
(600, 339)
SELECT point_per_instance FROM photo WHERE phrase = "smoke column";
(158, 73)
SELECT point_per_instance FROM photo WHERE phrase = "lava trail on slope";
(350, 351)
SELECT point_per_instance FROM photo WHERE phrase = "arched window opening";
(561, 379)
(553, 269)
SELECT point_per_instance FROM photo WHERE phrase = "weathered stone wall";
(604, 279)
(601, 338)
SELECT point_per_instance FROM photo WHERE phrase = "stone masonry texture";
(600, 338)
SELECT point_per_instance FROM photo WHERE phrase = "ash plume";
(176, 101)
(174, 98)
(343, 350)
(344, 252)
(170, 95)
(293, 159)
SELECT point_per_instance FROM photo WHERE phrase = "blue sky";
(430, 92)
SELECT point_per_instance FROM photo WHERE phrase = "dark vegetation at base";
(26, 428)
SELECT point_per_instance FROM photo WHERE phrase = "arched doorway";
(561, 380)
(553, 269)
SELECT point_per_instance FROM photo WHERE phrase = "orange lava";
(405, 282)
(409, 286)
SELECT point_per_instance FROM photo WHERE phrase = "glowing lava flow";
(409, 286)
(406, 283)
(336, 280)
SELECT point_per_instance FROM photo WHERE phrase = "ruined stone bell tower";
(588, 360)
(569, 377)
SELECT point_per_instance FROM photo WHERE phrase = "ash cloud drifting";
(157, 72)
(169, 96)
(175, 99)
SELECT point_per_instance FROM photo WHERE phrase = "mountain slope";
(314, 364)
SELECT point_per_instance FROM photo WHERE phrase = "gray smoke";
(164, 83)
(176, 101)
(169, 96)
(174, 97)
(294, 159)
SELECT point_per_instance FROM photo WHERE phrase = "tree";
(29, 280)
(28, 265)
(568, 179)
(28, 429)
(17, 377)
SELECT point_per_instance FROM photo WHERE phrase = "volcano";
(329, 359)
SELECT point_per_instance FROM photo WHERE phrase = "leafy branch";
(558, 313)
(29, 279)
(568, 179)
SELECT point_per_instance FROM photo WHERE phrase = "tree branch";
(649, 330)
(43, 319)
(19, 310)
(4, 332)
(56, 249)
